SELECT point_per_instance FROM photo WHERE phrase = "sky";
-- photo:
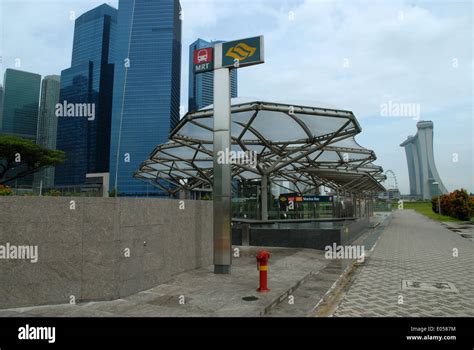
(368, 57)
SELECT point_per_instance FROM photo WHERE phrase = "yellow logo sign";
(241, 51)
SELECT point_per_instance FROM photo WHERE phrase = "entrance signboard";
(203, 60)
(227, 56)
(242, 53)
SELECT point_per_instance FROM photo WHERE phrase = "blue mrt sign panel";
(321, 199)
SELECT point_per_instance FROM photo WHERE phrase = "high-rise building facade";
(47, 125)
(20, 103)
(1, 105)
(84, 122)
(424, 178)
(201, 86)
(147, 77)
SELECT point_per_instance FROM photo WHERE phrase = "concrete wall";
(82, 250)
(301, 237)
(354, 230)
(291, 238)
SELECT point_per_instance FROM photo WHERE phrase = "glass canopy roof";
(307, 146)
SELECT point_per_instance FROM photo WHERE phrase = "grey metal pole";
(264, 197)
(258, 204)
(439, 205)
(354, 205)
(222, 172)
(439, 197)
(333, 206)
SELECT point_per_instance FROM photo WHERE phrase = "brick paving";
(413, 247)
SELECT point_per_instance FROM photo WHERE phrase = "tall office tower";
(84, 122)
(1, 105)
(47, 125)
(424, 178)
(146, 87)
(20, 103)
(201, 86)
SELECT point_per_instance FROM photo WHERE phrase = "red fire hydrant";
(262, 264)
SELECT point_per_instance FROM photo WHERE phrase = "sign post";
(226, 56)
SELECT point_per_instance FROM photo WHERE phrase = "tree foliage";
(458, 204)
(20, 157)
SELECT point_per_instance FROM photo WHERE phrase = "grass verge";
(425, 209)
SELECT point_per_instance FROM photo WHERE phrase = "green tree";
(25, 157)
(5, 191)
(113, 192)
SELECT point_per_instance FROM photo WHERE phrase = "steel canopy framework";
(306, 146)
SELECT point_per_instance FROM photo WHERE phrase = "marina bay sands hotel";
(424, 178)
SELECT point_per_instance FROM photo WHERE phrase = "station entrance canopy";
(302, 145)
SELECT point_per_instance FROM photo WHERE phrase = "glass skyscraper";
(146, 88)
(47, 125)
(201, 86)
(1, 105)
(20, 103)
(87, 85)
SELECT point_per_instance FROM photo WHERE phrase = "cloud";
(39, 33)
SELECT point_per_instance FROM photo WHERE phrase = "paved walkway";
(314, 291)
(464, 229)
(415, 248)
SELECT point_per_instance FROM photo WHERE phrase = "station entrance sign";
(230, 54)
(242, 53)
(227, 56)
(204, 60)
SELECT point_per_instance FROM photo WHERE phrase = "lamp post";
(439, 198)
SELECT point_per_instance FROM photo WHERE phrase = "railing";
(62, 191)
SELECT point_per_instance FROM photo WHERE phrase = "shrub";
(471, 206)
(54, 193)
(72, 194)
(457, 204)
(5, 191)
(460, 204)
(446, 208)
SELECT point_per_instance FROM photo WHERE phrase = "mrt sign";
(242, 53)
(203, 60)
(227, 56)
(230, 54)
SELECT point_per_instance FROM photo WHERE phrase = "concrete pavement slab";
(201, 292)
